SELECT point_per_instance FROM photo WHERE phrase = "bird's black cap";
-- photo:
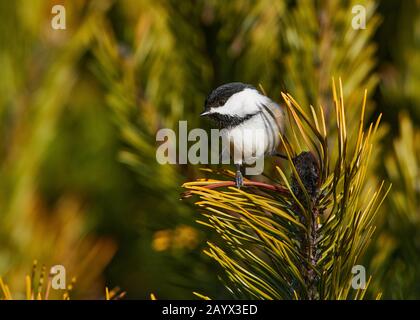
(220, 95)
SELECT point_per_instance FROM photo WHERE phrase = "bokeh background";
(80, 108)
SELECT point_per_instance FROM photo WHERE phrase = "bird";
(240, 110)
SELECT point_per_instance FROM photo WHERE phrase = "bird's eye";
(222, 102)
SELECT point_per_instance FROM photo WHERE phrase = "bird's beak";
(204, 113)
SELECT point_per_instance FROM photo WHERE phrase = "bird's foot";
(239, 179)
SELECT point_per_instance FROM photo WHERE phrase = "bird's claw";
(239, 179)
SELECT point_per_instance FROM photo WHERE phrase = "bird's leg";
(239, 178)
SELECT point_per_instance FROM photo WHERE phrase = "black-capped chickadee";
(251, 121)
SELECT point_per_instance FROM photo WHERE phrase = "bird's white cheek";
(242, 103)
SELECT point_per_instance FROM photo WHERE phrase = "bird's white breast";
(254, 138)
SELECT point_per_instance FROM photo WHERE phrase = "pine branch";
(300, 238)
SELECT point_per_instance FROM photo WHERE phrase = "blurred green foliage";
(79, 110)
